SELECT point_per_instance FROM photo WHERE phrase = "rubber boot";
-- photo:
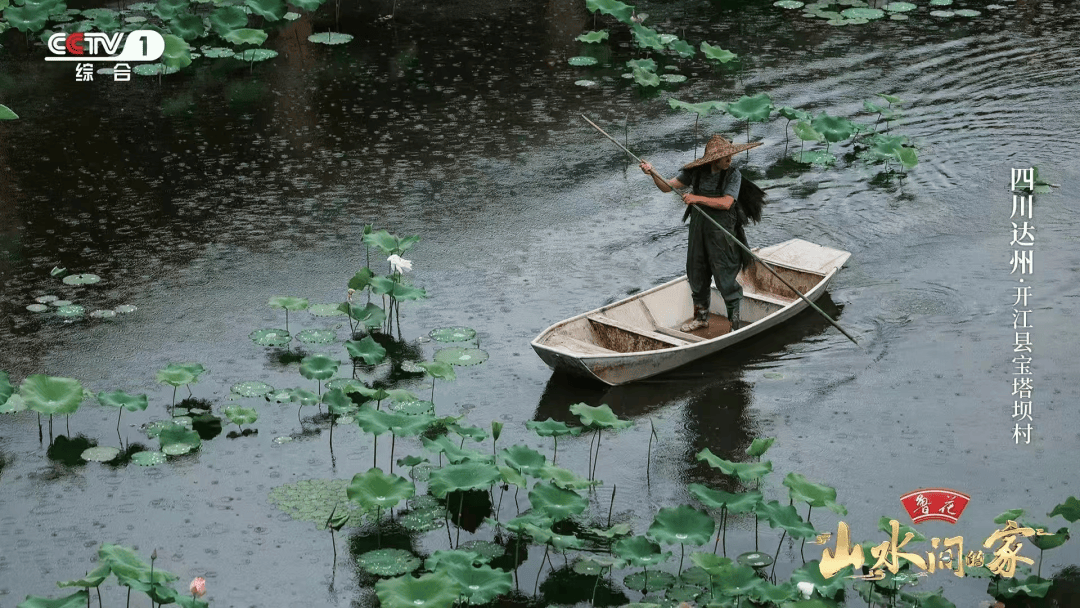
(700, 321)
(733, 315)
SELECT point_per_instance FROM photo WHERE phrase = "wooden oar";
(730, 236)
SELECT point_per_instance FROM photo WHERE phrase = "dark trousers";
(711, 254)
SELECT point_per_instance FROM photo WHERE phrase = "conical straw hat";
(718, 148)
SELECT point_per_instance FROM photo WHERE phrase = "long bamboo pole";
(730, 236)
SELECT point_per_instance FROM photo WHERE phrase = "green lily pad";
(317, 336)
(103, 314)
(388, 562)
(967, 12)
(415, 407)
(318, 367)
(556, 502)
(754, 109)
(70, 311)
(251, 389)
(815, 157)
(240, 415)
(755, 559)
(92, 579)
(100, 454)
(218, 52)
(1070, 510)
(330, 38)
(455, 333)
(940, 2)
(367, 350)
(900, 7)
(461, 356)
(175, 437)
(38, 308)
(863, 13)
(256, 37)
(789, 4)
(551, 428)
(465, 476)
(708, 564)
(481, 584)
(282, 395)
(271, 10)
(148, 459)
(75, 600)
(154, 69)
(701, 109)
(565, 479)
(176, 449)
(744, 471)
(716, 53)
(377, 489)
(684, 593)
(421, 521)
(487, 550)
(288, 303)
(81, 279)
(759, 446)
(639, 551)
(682, 525)
(256, 55)
(132, 403)
(673, 78)
(655, 581)
(833, 128)
(813, 494)
(125, 309)
(582, 61)
(525, 460)
(600, 417)
(942, 14)
(314, 500)
(445, 560)
(435, 590)
(622, 12)
(597, 36)
(51, 395)
(786, 517)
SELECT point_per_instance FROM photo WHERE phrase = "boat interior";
(650, 320)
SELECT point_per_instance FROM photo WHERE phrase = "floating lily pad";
(314, 499)
(967, 12)
(388, 562)
(422, 521)
(330, 38)
(413, 407)
(103, 314)
(461, 356)
(487, 550)
(46, 299)
(58, 303)
(317, 336)
(789, 4)
(943, 14)
(153, 69)
(270, 337)
(70, 311)
(251, 389)
(900, 7)
(755, 559)
(586, 83)
(582, 60)
(899, 17)
(291, 16)
(38, 308)
(456, 333)
(176, 449)
(435, 590)
(100, 454)
(254, 55)
(940, 2)
(815, 157)
(863, 13)
(148, 459)
(283, 439)
(125, 309)
(673, 78)
(218, 52)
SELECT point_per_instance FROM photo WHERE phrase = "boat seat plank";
(770, 298)
(674, 333)
(577, 346)
(604, 320)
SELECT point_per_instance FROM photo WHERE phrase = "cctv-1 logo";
(140, 45)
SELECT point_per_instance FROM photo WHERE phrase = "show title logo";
(140, 45)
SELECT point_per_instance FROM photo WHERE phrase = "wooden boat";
(637, 337)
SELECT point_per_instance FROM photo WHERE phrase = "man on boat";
(714, 187)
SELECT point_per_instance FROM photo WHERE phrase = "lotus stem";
(1038, 570)
(332, 440)
(128, 604)
(461, 501)
(612, 505)
(333, 544)
(516, 505)
(592, 602)
(298, 418)
(375, 452)
(433, 390)
(553, 456)
(780, 544)
(40, 437)
(517, 554)
(682, 551)
(536, 585)
(596, 460)
(378, 528)
(393, 440)
(67, 424)
(173, 400)
(286, 310)
(50, 430)
(98, 589)
(118, 428)
(648, 457)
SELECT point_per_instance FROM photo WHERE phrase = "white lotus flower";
(399, 264)
(806, 588)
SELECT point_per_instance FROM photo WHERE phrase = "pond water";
(199, 197)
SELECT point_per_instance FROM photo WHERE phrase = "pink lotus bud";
(198, 587)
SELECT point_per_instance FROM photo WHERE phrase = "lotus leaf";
(125, 308)
(701, 109)
(271, 10)
(366, 349)
(255, 55)
(317, 336)
(863, 13)
(396, 289)
(899, 7)
(655, 581)
(439, 369)
(618, 10)
(100, 454)
(940, 2)
(565, 479)
(683, 593)
(339, 403)
(177, 52)
(815, 495)
(283, 395)
(330, 38)
(525, 460)
(744, 502)
(967, 12)
(307, 5)
(711, 565)
(473, 432)
(464, 476)
(582, 61)
(453, 453)
(461, 356)
(907, 157)
(369, 315)
(769, 593)
(739, 581)
(717, 53)
(673, 78)
(755, 559)
(544, 536)
(788, 4)
(249, 36)
(416, 407)
(551, 428)
(682, 525)
(931, 599)
(599, 417)
(646, 38)
(388, 562)
(640, 551)
(318, 367)
(59, 303)
(27, 18)
(37, 308)
(5, 112)
(453, 334)
(241, 415)
(556, 502)
(377, 489)
(288, 303)
(534, 518)
(153, 69)
(361, 279)
(598, 36)
(187, 26)
(347, 385)
(315, 499)
(681, 48)
(435, 590)
(71, 310)
(402, 424)
(251, 389)
(81, 279)
(1070, 510)
(512, 477)
(14, 404)
(754, 109)
(123, 561)
(92, 579)
(590, 566)
(1011, 514)
(1049, 541)
(744, 471)
(826, 587)
(488, 550)
(75, 600)
(422, 521)
(794, 114)
(51, 394)
(645, 78)
(175, 375)
(103, 314)
(319, 310)
(371, 420)
(833, 128)
(389, 243)
(585, 83)
(785, 516)
(759, 446)
(174, 434)
(148, 459)
(815, 157)
(446, 560)
(481, 584)
(46, 299)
